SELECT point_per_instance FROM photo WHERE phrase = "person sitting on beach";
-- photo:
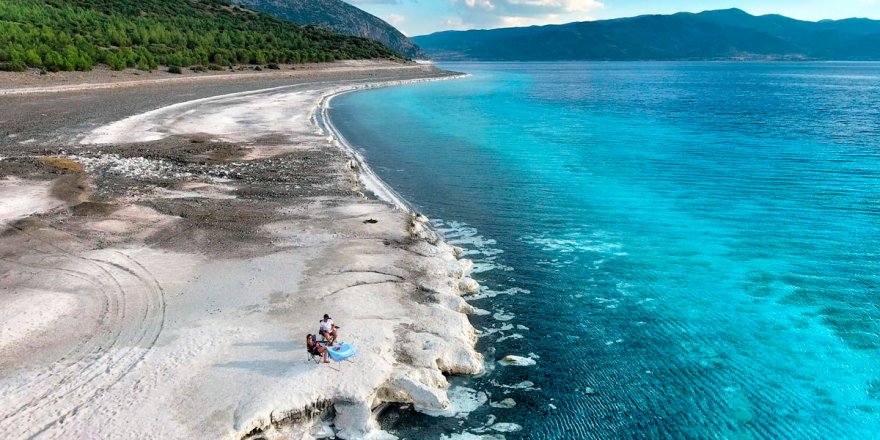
(328, 330)
(315, 348)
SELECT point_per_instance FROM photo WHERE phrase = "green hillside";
(77, 34)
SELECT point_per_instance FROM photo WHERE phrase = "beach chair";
(323, 339)
(313, 354)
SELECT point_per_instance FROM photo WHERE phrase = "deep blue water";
(692, 247)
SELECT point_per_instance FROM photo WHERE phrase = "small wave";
(462, 401)
(510, 336)
(525, 385)
(577, 242)
(503, 328)
(484, 251)
(501, 316)
(490, 293)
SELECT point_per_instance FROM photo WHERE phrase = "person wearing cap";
(328, 330)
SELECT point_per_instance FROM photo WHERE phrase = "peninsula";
(167, 244)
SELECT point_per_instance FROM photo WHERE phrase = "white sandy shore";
(14, 83)
(134, 341)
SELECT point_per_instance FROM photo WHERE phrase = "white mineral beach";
(129, 340)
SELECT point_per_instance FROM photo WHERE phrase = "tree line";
(67, 35)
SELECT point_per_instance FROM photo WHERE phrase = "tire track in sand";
(132, 314)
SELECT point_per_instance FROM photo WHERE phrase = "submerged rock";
(506, 427)
(468, 285)
(506, 403)
(517, 361)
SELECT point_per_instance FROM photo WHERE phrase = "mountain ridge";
(340, 17)
(716, 34)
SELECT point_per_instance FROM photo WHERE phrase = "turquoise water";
(687, 250)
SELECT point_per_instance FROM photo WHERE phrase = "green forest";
(67, 35)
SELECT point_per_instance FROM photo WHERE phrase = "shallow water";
(687, 250)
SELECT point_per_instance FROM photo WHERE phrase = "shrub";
(32, 58)
(175, 69)
(14, 66)
(198, 68)
(213, 66)
(273, 66)
(76, 34)
(61, 164)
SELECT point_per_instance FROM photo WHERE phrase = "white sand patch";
(196, 190)
(31, 311)
(256, 152)
(135, 167)
(236, 117)
(20, 198)
(131, 221)
(112, 226)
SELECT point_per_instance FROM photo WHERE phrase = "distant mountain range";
(723, 34)
(338, 16)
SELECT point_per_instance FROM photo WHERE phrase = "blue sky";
(418, 17)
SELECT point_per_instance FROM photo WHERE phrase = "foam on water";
(462, 401)
(470, 436)
(484, 251)
(510, 336)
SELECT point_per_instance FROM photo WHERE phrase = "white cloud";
(564, 5)
(395, 19)
(482, 4)
(509, 21)
(511, 13)
(374, 2)
(453, 23)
